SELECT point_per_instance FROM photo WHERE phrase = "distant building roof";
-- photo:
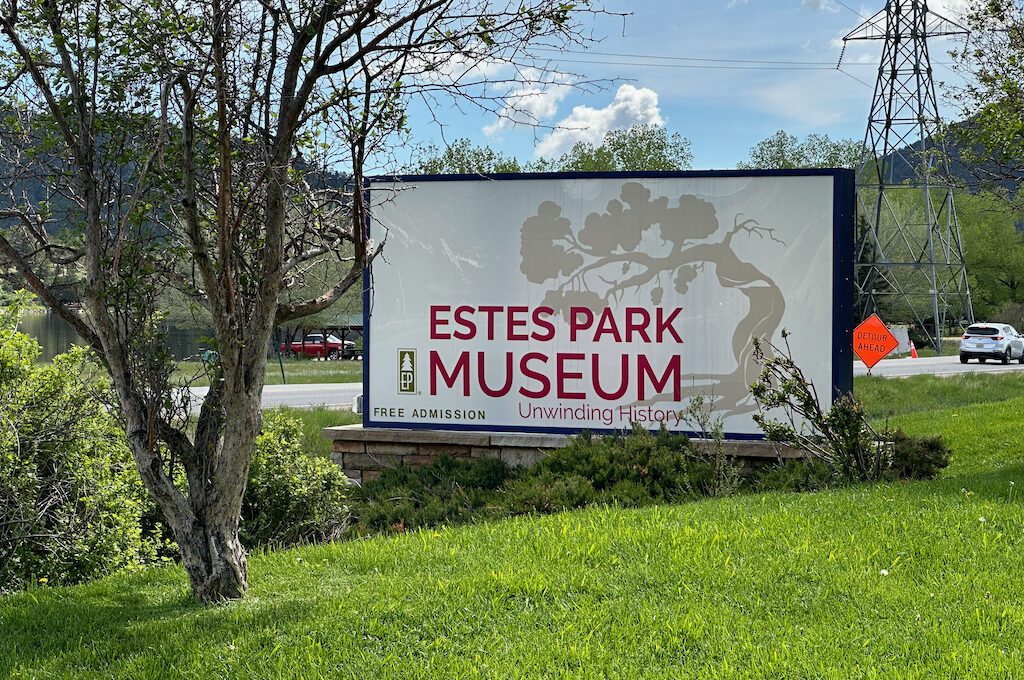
(349, 320)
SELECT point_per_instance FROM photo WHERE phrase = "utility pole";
(909, 256)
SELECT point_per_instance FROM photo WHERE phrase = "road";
(336, 395)
(941, 366)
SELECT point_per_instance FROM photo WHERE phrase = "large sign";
(558, 303)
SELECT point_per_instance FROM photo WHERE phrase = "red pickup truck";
(314, 345)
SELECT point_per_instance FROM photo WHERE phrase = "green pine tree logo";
(407, 371)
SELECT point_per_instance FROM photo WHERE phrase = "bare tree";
(180, 146)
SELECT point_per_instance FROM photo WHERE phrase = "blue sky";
(723, 110)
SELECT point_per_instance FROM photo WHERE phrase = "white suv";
(983, 341)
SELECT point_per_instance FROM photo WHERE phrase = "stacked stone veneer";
(363, 452)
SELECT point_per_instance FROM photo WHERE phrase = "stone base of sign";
(363, 452)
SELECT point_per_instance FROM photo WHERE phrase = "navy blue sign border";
(843, 223)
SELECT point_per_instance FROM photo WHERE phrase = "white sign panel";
(558, 304)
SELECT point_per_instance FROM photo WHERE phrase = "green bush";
(794, 475)
(663, 465)
(634, 469)
(840, 435)
(291, 497)
(546, 491)
(918, 457)
(70, 497)
(447, 491)
(629, 470)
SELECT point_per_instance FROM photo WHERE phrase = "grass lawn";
(297, 371)
(887, 397)
(904, 580)
(950, 347)
(314, 420)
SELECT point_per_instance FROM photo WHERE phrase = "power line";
(840, 2)
(688, 59)
(701, 62)
(862, 82)
(733, 67)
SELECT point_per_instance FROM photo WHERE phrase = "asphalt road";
(337, 395)
(941, 366)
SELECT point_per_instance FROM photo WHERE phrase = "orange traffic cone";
(913, 350)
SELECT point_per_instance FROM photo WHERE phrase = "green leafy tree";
(641, 147)
(992, 102)
(993, 250)
(461, 157)
(783, 150)
(186, 146)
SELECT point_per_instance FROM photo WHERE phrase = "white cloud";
(820, 5)
(534, 101)
(630, 106)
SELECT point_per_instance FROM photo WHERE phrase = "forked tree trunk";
(211, 551)
(214, 560)
(205, 521)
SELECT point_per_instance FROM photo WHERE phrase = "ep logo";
(407, 371)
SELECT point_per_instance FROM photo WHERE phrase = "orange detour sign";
(872, 341)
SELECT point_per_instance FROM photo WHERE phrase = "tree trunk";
(214, 559)
(205, 520)
(211, 551)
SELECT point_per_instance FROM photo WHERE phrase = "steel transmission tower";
(909, 257)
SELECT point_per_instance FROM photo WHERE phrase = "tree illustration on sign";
(597, 264)
(406, 362)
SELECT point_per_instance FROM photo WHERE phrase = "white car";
(983, 341)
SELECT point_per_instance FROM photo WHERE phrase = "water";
(56, 336)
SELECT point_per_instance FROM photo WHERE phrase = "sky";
(702, 69)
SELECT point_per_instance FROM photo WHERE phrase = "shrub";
(70, 497)
(446, 491)
(918, 457)
(626, 469)
(634, 469)
(841, 437)
(291, 497)
(662, 464)
(547, 491)
(727, 476)
(794, 475)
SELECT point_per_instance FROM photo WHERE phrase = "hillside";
(904, 160)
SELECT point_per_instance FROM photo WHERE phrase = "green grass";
(886, 397)
(297, 371)
(314, 420)
(950, 347)
(899, 580)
